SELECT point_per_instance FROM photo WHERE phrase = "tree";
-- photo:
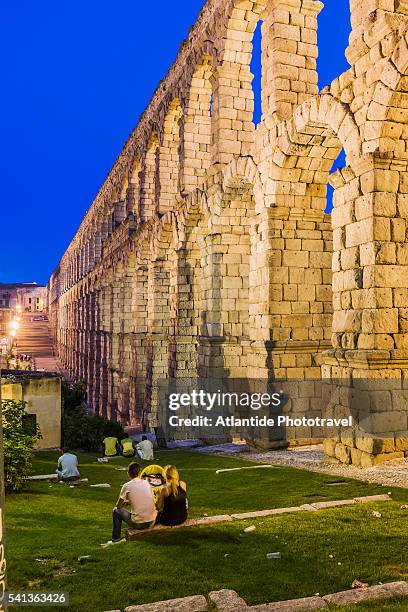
(18, 444)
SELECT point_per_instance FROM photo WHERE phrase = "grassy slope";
(57, 524)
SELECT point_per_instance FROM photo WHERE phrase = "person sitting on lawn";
(110, 446)
(173, 502)
(127, 446)
(67, 469)
(138, 495)
(145, 449)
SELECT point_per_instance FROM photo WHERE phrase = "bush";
(18, 444)
(79, 429)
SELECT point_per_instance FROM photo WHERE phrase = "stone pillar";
(113, 363)
(233, 106)
(124, 357)
(134, 191)
(289, 52)
(185, 289)
(158, 314)
(138, 344)
(97, 245)
(120, 212)
(210, 350)
(370, 268)
(149, 192)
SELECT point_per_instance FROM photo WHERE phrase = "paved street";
(34, 338)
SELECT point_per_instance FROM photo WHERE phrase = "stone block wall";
(42, 392)
(208, 251)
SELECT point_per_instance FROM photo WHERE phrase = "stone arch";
(197, 124)
(239, 23)
(150, 184)
(170, 157)
(242, 171)
(302, 257)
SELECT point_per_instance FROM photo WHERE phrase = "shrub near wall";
(81, 430)
(18, 444)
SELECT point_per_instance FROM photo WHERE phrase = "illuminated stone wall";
(208, 250)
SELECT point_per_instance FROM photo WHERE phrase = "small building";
(26, 297)
(42, 392)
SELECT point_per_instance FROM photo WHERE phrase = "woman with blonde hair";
(173, 503)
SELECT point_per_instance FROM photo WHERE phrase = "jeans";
(121, 514)
(66, 478)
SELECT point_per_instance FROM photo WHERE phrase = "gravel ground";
(392, 473)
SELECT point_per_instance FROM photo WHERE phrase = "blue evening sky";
(76, 76)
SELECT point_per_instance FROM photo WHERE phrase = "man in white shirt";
(138, 495)
(145, 449)
(67, 466)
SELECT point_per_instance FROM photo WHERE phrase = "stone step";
(134, 534)
(227, 600)
(197, 603)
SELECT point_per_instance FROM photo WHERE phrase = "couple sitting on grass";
(170, 507)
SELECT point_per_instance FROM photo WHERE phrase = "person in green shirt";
(111, 446)
(127, 446)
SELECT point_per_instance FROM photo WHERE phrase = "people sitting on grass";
(67, 467)
(138, 496)
(110, 447)
(172, 503)
(127, 447)
(145, 449)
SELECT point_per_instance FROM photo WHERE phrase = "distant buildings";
(25, 297)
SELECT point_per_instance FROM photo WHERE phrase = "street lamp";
(14, 325)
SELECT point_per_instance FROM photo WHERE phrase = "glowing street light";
(14, 325)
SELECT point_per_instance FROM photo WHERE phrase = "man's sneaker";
(112, 542)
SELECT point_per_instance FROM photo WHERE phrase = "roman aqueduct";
(208, 250)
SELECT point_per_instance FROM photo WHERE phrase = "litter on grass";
(357, 584)
(120, 469)
(249, 467)
(249, 529)
(102, 485)
(377, 514)
(273, 555)
(110, 543)
(103, 460)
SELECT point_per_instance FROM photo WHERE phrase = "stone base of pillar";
(183, 357)
(371, 387)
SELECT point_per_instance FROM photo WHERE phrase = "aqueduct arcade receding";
(207, 250)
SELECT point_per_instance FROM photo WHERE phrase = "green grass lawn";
(50, 526)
